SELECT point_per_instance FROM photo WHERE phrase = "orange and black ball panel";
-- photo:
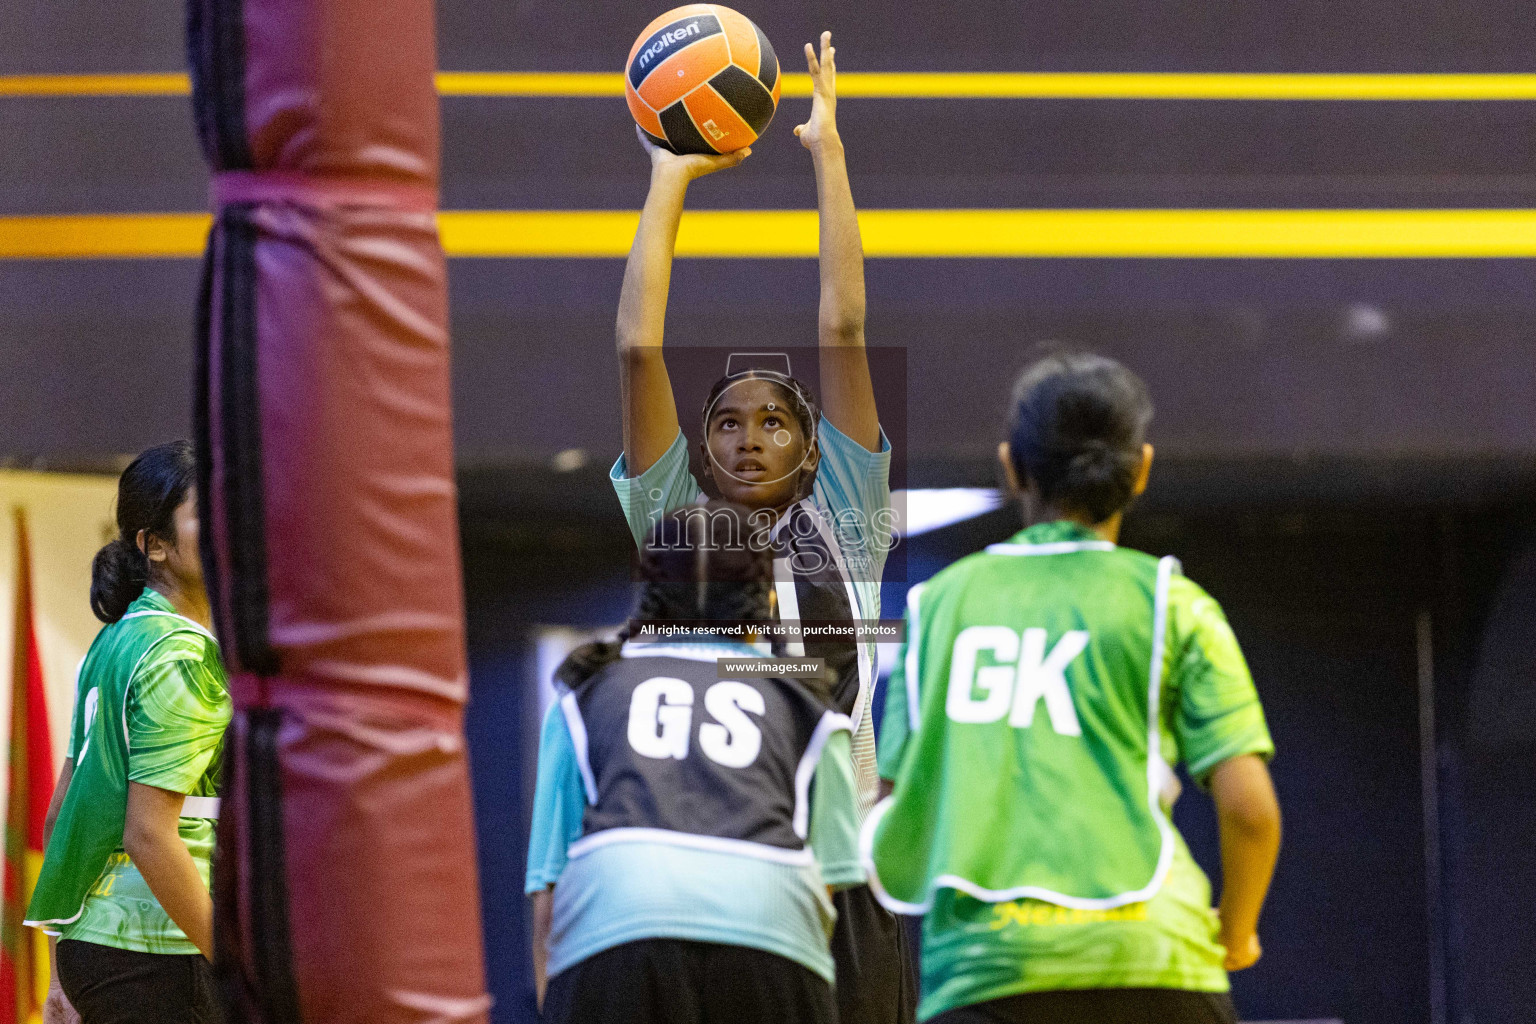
(702, 79)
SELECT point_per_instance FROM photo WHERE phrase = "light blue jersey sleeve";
(834, 826)
(558, 804)
(667, 485)
(853, 486)
(894, 727)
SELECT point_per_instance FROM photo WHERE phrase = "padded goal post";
(345, 878)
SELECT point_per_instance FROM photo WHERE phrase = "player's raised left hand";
(820, 128)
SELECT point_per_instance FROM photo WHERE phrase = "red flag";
(24, 952)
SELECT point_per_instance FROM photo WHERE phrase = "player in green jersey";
(130, 830)
(1047, 688)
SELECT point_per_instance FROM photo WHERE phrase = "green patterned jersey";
(1049, 686)
(154, 680)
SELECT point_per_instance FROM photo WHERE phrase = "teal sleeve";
(178, 707)
(558, 804)
(834, 825)
(853, 485)
(894, 726)
(667, 485)
(1218, 715)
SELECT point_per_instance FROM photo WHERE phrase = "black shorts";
(107, 985)
(674, 981)
(1099, 1006)
(876, 962)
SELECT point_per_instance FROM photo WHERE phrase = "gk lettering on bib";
(1021, 675)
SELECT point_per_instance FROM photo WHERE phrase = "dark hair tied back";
(148, 493)
(704, 563)
(1079, 423)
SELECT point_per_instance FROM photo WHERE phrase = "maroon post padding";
(346, 886)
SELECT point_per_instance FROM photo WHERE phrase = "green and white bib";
(1034, 766)
(151, 681)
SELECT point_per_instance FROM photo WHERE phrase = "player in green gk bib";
(130, 831)
(1048, 686)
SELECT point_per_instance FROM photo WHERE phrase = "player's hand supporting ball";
(689, 165)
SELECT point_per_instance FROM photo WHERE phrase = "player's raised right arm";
(650, 413)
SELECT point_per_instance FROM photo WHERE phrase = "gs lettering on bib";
(668, 751)
(661, 717)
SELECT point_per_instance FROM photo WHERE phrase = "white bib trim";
(577, 726)
(830, 722)
(196, 626)
(201, 807)
(694, 651)
(737, 847)
(1157, 769)
(1063, 547)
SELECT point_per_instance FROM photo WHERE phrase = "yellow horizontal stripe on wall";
(1261, 234)
(169, 84)
(559, 233)
(1179, 86)
(1173, 234)
(104, 236)
(530, 83)
(911, 85)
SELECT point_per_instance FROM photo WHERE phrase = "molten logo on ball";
(661, 45)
